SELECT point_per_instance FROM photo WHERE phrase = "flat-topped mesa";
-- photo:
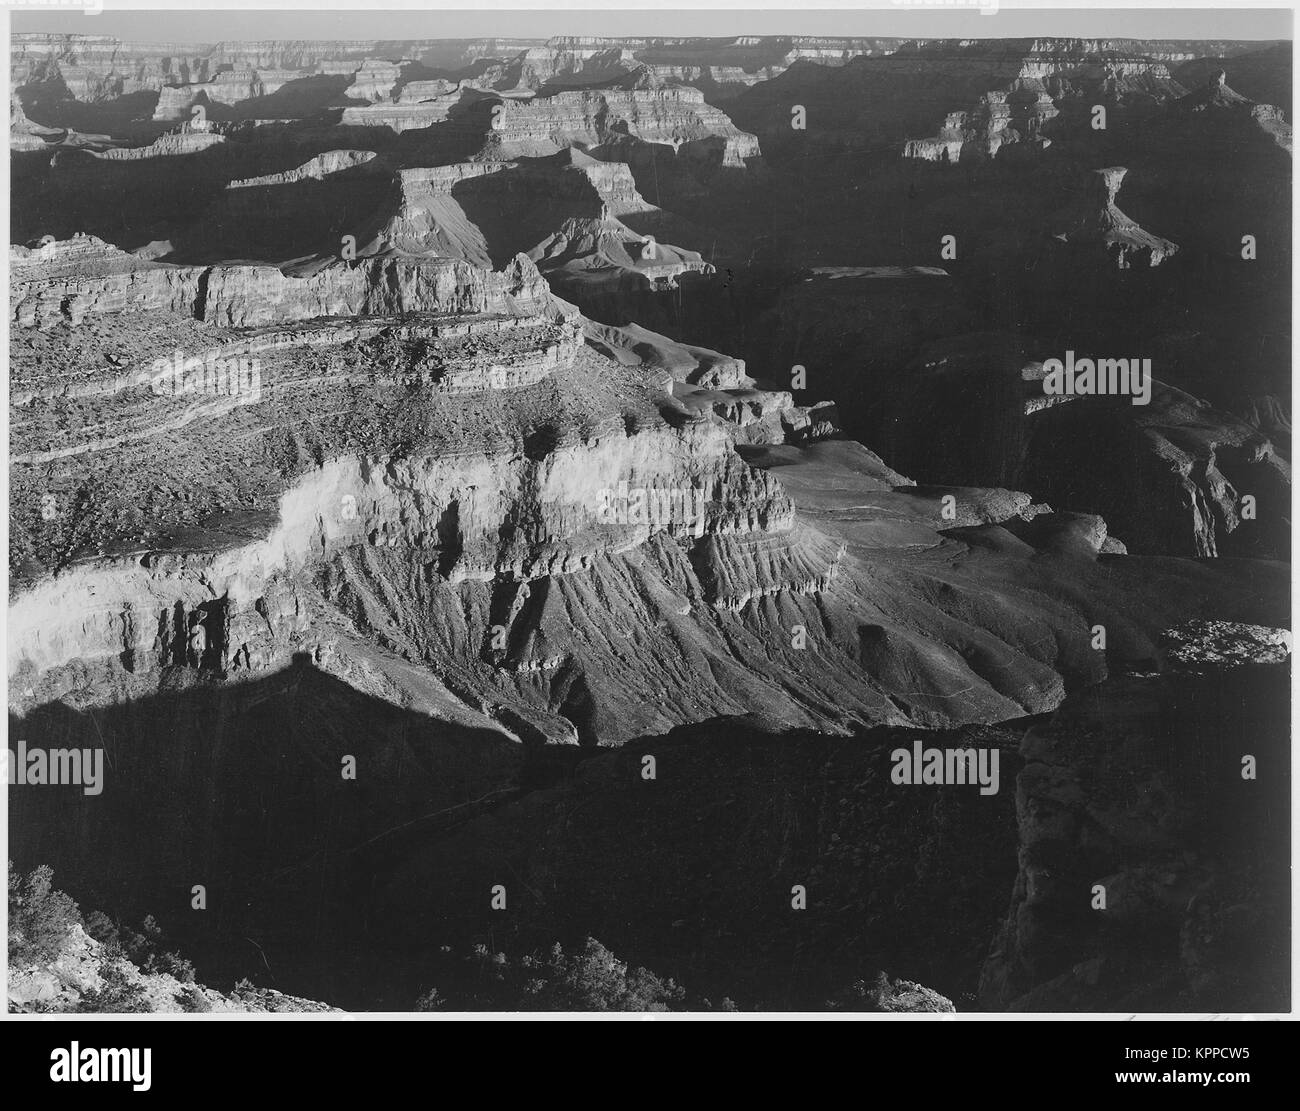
(375, 81)
(673, 116)
(1164, 50)
(92, 278)
(176, 102)
(456, 104)
(418, 92)
(571, 61)
(1096, 221)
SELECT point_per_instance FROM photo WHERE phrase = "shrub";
(591, 979)
(172, 964)
(40, 918)
(595, 980)
(192, 1000)
(430, 1001)
(103, 929)
(119, 994)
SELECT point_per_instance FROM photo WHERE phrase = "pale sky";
(900, 22)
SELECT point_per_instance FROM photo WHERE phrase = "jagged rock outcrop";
(1052, 76)
(605, 256)
(1215, 100)
(1097, 224)
(317, 169)
(1175, 476)
(955, 100)
(25, 135)
(170, 145)
(675, 116)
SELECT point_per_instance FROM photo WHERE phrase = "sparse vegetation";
(42, 921)
(40, 918)
(119, 994)
(589, 979)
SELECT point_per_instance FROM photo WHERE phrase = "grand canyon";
(500, 509)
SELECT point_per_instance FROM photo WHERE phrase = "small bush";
(40, 918)
(118, 995)
(591, 979)
(430, 1001)
(172, 964)
(103, 929)
(595, 980)
(192, 1000)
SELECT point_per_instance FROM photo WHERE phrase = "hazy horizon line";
(902, 22)
(652, 38)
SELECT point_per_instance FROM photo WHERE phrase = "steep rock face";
(674, 116)
(62, 286)
(100, 68)
(952, 100)
(224, 90)
(23, 134)
(873, 319)
(568, 61)
(290, 215)
(489, 497)
(1262, 75)
(565, 212)
(1053, 75)
(1183, 479)
(981, 133)
(105, 65)
(956, 411)
(374, 81)
(1153, 871)
(432, 220)
(1216, 101)
(728, 68)
(1096, 223)
(404, 117)
(417, 92)
(570, 213)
